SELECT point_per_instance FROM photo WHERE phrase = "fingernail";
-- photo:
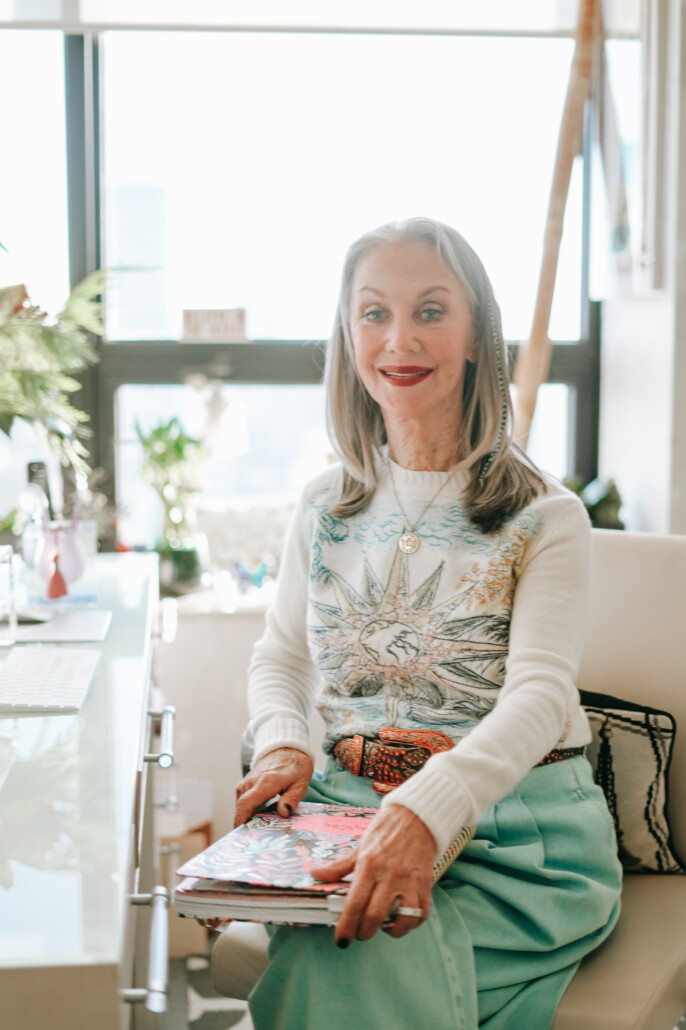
(343, 942)
(290, 810)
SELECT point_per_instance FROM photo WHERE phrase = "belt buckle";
(408, 740)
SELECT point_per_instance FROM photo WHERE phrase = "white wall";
(676, 87)
(636, 410)
(677, 519)
(643, 362)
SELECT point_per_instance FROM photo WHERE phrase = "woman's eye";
(373, 314)
(431, 314)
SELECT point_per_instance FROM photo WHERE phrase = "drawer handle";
(169, 849)
(154, 996)
(170, 805)
(165, 757)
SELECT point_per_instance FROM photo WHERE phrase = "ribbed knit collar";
(417, 483)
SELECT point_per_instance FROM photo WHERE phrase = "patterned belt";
(396, 754)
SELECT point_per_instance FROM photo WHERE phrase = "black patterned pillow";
(630, 754)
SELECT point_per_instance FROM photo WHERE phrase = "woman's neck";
(413, 447)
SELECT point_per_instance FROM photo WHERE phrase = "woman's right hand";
(285, 771)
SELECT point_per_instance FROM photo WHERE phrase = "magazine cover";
(278, 852)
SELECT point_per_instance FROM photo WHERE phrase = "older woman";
(431, 603)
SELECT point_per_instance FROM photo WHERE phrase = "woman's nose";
(402, 336)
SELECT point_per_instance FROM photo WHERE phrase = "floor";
(193, 1004)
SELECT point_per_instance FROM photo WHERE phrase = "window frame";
(575, 364)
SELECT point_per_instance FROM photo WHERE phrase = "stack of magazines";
(261, 870)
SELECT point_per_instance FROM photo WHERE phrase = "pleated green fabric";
(536, 890)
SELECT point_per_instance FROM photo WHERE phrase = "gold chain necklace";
(409, 541)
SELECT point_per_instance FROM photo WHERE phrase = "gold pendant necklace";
(409, 541)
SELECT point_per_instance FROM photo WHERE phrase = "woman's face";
(411, 330)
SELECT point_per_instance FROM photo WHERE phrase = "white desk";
(73, 839)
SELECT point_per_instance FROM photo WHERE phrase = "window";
(239, 166)
(33, 203)
(33, 225)
(617, 232)
(240, 182)
(232, 168)
(263, 443)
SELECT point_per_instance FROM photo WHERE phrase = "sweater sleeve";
(281, 675)
(539, 699)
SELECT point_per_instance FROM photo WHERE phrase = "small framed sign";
(214, 325)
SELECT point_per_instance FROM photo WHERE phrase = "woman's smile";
(405, 375)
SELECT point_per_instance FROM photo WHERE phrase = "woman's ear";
(472, 352)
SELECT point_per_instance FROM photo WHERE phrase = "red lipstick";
(405, 375)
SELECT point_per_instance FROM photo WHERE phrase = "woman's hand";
(393, 862)
(284, 771)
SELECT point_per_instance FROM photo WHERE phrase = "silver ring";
(414, 913)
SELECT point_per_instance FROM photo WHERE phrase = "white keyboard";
(46, 679)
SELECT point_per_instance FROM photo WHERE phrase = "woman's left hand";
(393, 862)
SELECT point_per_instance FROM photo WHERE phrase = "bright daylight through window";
(238, 167)
(235, 168)
(33, 223)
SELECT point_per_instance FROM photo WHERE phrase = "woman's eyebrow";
(424, 293)
(432, 289)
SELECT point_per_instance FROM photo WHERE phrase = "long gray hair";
(503, 480)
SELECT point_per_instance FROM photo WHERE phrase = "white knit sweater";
(476, 635)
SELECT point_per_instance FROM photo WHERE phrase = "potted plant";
(602, 501)
(171, 465)
(38, 360)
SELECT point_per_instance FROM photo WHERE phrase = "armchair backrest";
(636, 645)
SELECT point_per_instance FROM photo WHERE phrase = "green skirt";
(536, 889)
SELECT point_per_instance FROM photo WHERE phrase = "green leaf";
(38, 359)
(7, 522)
(82, 308)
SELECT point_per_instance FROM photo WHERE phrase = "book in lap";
(261, 870)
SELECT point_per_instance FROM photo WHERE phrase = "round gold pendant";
(409, 543)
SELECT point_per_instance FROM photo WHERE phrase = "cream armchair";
(636, 651)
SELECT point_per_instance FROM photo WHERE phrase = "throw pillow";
(630, 754)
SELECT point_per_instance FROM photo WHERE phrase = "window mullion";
(82, 106)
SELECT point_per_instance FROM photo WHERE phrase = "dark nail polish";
(343, 942)
(290, 810)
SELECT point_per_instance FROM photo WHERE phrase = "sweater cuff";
(437, 800)
(281, 732)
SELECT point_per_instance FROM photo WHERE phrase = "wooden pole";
(533, 360)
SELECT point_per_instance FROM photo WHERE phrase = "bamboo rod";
(533, 360)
